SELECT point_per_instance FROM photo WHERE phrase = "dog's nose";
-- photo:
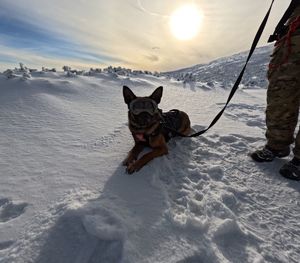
(143, 118)
(144, 115)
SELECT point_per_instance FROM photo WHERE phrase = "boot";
(291, 170)
(267, 154)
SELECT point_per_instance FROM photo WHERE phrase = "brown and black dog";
(150, 127)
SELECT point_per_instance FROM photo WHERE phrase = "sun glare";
(185, 22)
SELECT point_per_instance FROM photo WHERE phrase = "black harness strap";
(237, 82)
(281, 28)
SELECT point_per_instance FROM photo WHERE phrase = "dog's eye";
(142, 105)
(137, 105)
(148, 105)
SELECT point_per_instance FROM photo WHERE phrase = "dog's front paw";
(130, 159)
(133, 167)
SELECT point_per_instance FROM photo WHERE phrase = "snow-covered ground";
(65, 197)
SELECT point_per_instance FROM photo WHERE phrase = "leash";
(237, 82)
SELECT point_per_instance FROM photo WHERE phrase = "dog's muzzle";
(143, 120)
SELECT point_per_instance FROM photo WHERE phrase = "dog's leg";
(137, 165)
(133, 154)
(159, 148)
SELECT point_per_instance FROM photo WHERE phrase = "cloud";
(152, 57)
(38, 40)
(10, 58)
(118, 32)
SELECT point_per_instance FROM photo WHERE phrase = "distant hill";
(225, 70)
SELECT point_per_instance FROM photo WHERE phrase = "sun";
(185, 22)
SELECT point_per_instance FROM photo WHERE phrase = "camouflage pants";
(283, 95)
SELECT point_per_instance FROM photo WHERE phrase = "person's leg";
(283, 97)
(296, 150)
(282, 107)
(291, 169)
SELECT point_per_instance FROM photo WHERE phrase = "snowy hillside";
(65, 197)
(226, 70)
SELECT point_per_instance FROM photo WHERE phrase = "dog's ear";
(128, 95)
(157, 94)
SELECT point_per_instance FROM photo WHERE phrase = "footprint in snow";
(251, 115)
(9, 210)
(5, 244)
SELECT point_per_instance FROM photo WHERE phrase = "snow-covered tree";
(9, 73)
(66, 68)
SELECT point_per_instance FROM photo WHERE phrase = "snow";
(65, 197)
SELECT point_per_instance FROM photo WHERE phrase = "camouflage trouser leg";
(283, 97)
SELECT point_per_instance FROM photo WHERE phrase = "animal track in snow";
(9, 210)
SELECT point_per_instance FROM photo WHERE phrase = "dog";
(150, 127)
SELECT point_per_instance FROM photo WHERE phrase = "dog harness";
(171, 121)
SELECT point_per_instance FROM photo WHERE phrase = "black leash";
(237, 82)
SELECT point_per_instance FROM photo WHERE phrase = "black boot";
(268, 155)
(291, 170)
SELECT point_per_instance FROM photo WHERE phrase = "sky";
(128, 33)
